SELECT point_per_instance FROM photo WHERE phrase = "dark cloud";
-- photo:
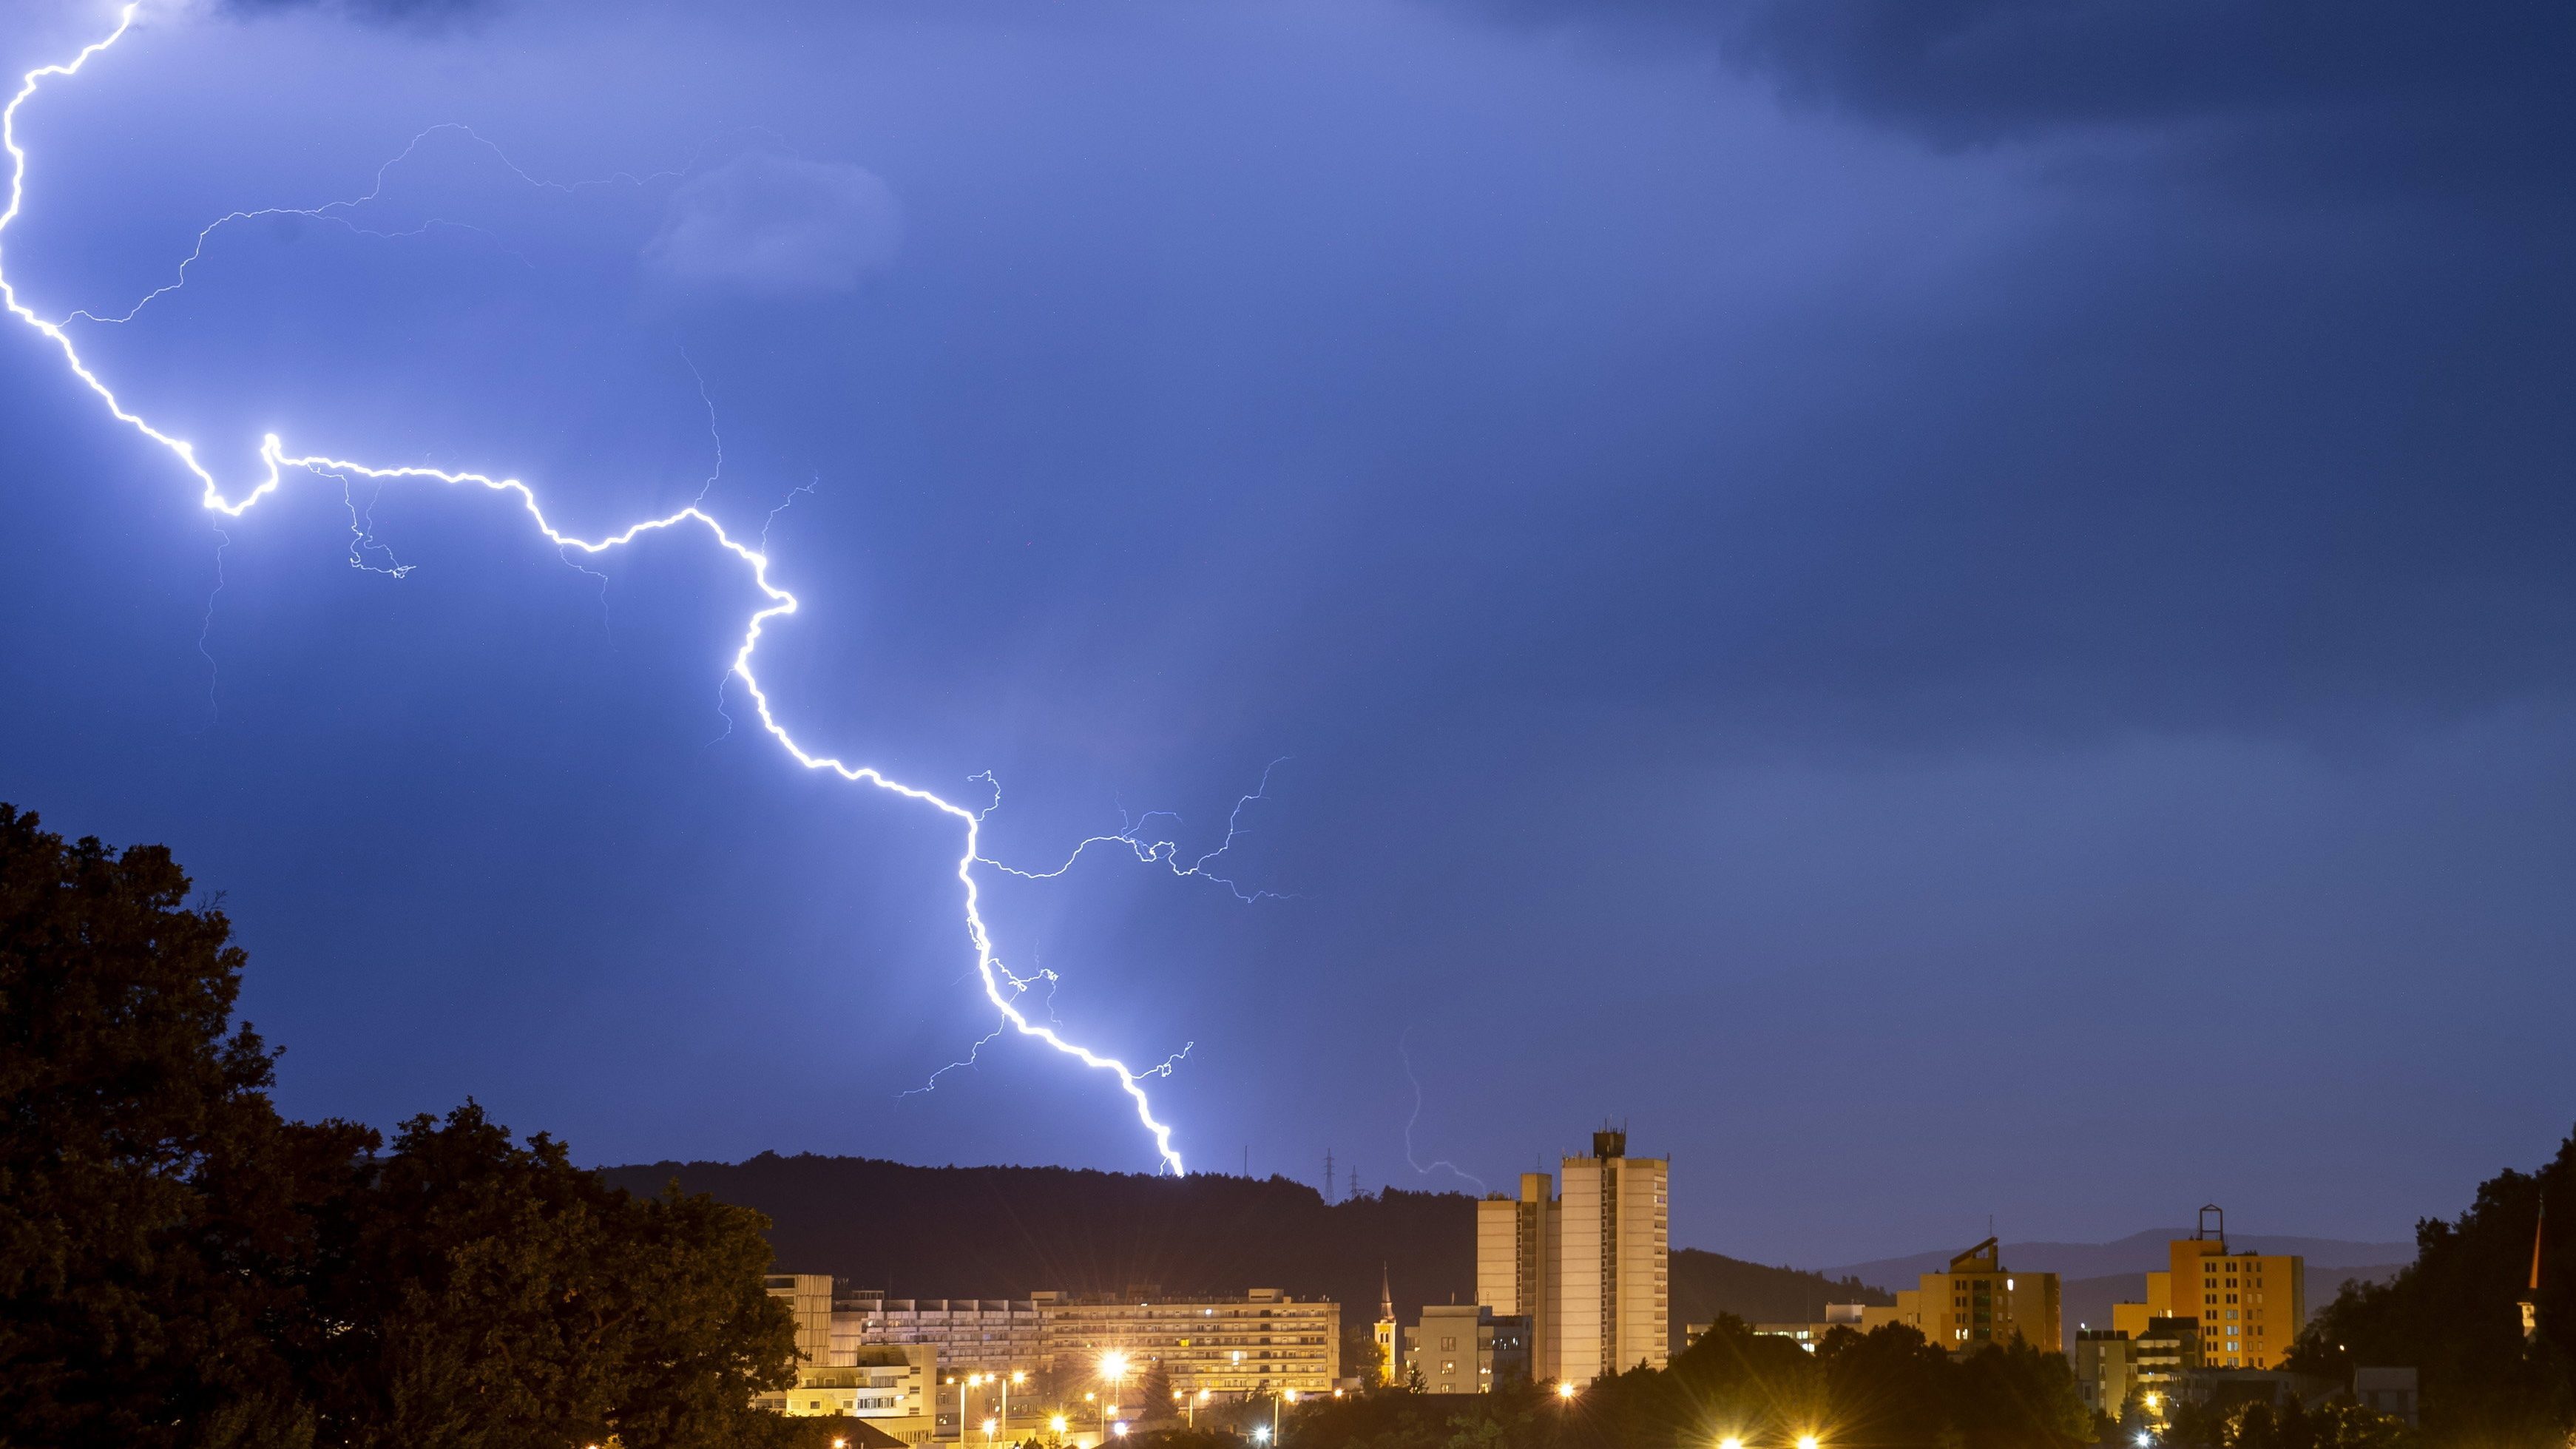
(2470, 92)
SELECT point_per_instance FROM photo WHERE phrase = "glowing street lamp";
(1807, 1441)
(1730, 1442)
(1566, 1391)
(1113, 1367)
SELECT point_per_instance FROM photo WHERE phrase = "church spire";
(1385, 1297)
(2531, 1299)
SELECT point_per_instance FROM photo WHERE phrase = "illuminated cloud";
(775, 226)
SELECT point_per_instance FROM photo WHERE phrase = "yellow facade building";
(1977, 1301)
(2249, 1307)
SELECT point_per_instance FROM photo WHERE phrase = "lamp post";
(1113, 1367)
(1015, 1376)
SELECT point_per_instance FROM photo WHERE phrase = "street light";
(1807, 1441)
(1566, 1391)
(1015, 1376)
(1057, 1424)
(1730, 1442)
(1113, 1367)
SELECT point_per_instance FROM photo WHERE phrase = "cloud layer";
(775, 226)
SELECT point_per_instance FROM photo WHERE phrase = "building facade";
(1516, 1262)
(2104, 1372)
(2248, 1307)
(1614, 1262)
(1977, 1301)
(973, 1335)
(1806, 1335)
(1590, 1268)
(891, 1386)
(1260, 1344)
(1467, 1348)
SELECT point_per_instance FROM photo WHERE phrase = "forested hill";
(1002, 1232)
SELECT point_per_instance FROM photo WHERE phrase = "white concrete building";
(1592, 1269)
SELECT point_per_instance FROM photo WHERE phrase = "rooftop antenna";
(1328, 1174)
(2201, 1230)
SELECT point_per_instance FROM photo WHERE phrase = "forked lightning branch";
(1001, 987)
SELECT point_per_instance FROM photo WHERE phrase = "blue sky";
(1951, 609)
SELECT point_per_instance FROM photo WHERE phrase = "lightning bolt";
(276, 461)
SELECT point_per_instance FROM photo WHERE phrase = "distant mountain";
(2137, 1253)
(1003, 1232)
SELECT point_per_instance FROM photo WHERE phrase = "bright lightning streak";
(276, 460)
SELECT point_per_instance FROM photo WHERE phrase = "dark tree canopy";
(2454, 1315)
(181, 1266)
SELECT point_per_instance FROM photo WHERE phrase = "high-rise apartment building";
(1516, 1264)
(1590, 1268)
(1614, 1262)
(2249, 1306)
(1977, 1301)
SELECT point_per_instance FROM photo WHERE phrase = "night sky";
(1950, 608)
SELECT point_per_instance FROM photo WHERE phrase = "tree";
(2453, 1316)
(180, 1266)
(125, 1093)
(1154, 1392)
(498, 1295)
